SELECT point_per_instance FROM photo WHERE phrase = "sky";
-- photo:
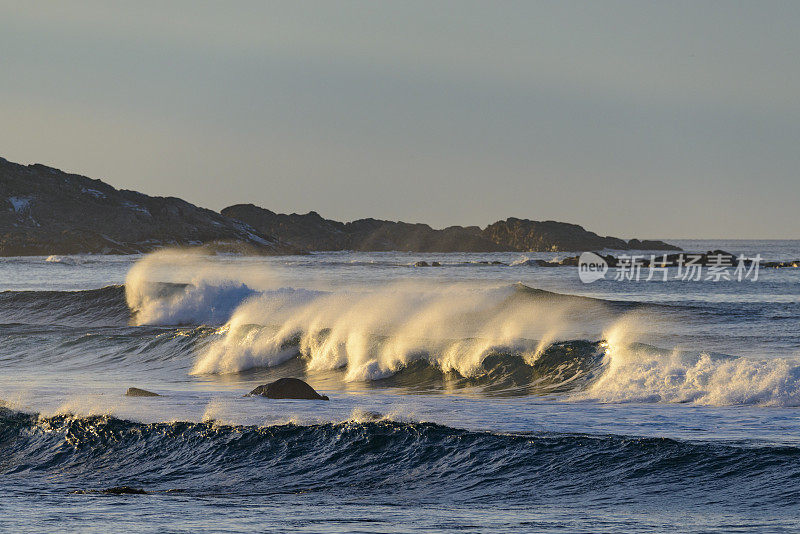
(675, 119)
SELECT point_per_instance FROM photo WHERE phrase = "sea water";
(467, 397)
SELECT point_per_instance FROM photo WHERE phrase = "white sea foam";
(639, 373)
(211, 292)
(64, 260)
(523, 261)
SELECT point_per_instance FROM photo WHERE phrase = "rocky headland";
(46, 211)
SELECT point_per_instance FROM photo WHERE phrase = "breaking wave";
(640, 373)
(374, 333)
(184, 316)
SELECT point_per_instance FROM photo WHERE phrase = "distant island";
(313, 232)
(46, 211)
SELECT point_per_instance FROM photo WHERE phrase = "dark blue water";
(410, 468)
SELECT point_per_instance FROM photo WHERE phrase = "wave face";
(560, 368)
(94, 307)
(407, 461)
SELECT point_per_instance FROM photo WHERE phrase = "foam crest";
(374, 332)
(370, 330)
(189, 287)
(64, 260)
(641, 373)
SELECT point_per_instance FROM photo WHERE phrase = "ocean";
(486, 394)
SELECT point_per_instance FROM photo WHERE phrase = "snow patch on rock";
(20, 204)
(136, 207)
(94, 192)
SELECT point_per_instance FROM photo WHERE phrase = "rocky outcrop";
(781, 264)
(287, 388)
(136, 392)
(313, 232)
(116, 490)
(550, 236)
(46, 211)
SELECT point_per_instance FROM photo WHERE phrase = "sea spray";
(635, 372)
(497, 336)
(376, 331)
(189, 287)
(372, 331)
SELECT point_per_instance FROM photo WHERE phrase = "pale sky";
(635, 119)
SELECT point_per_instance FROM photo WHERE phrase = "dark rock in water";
(288, 388)
(571, 261)
(136, 392)
(781, 264)
(484, 262)
(435, 264)
(116, 490)
(421, 264)
(542, 263)
(712, 257)
(124, 490)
